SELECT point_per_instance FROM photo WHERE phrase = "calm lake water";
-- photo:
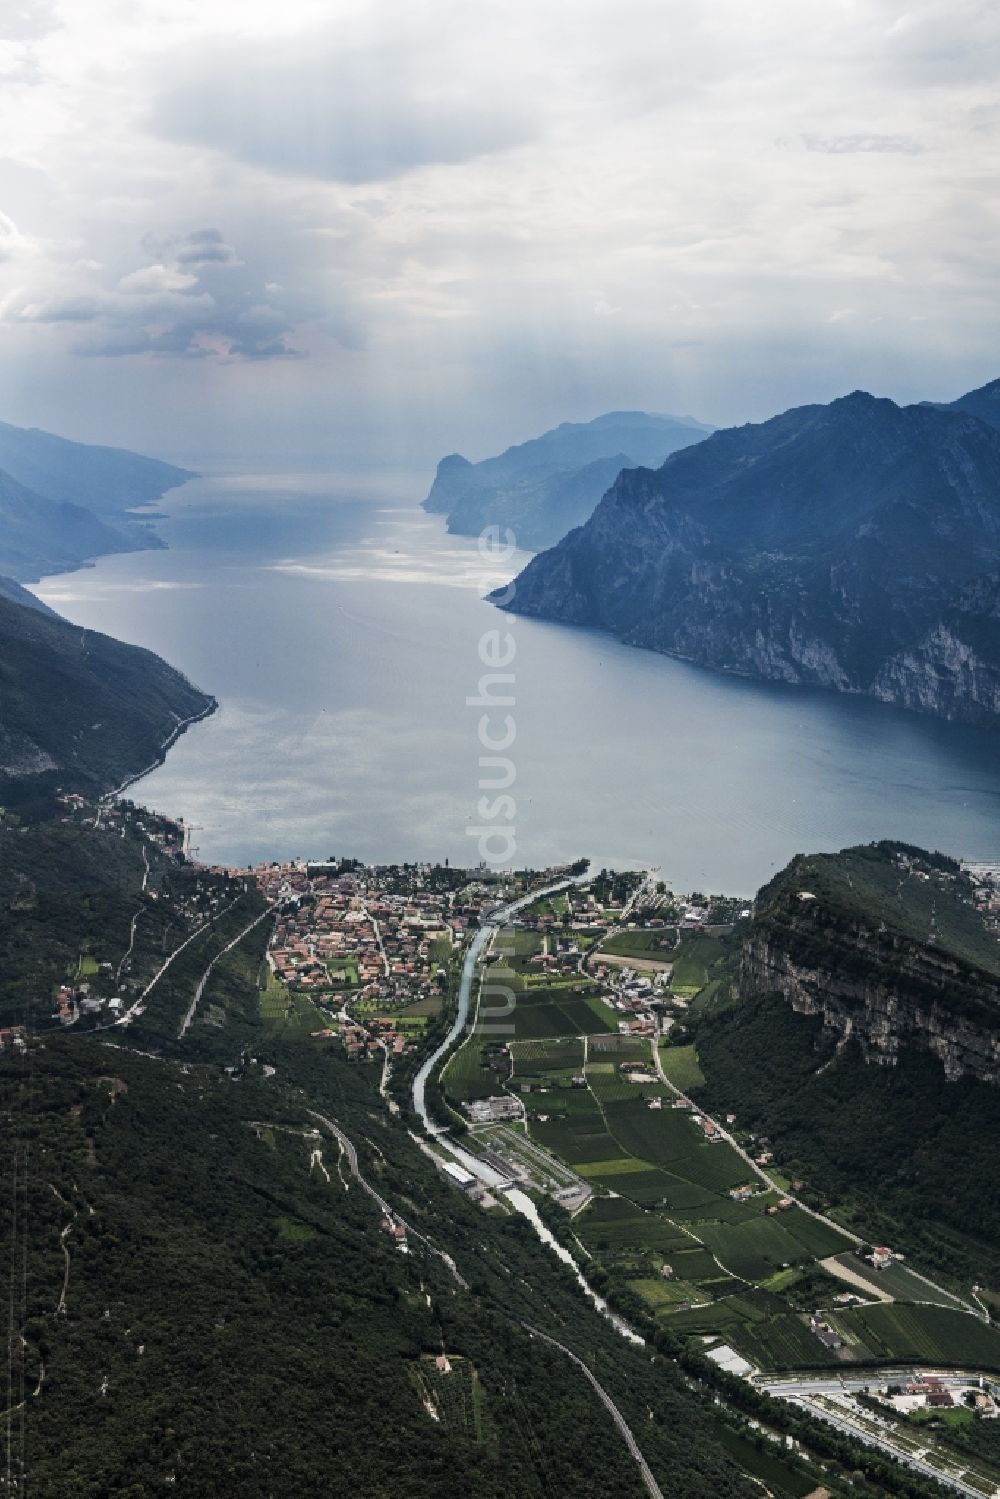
(340, 631)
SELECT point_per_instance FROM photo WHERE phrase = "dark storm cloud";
(205, 247)
(351, 114)
(198, 301)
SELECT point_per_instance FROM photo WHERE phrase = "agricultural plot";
(517, 947)
(680, 1064)
(575, 1139)
(295, 1014)
(440, 950)
(896, 1281)
(782, 1342)
(466, 1077)
(646, 1185)
(536, 1057)
(614, 1222)
(695, 1262)
(720, 1317)
(929, 1334)
(550, 1011)
(779, 1474)
(661, 1136)
(657, 943)
(427, 1008)
(275, 998)
(621, 1048)
(753, 1250)
(715, 1166)
(657, 1291)
(555, 1098)
(724, 1210)
(693, 958)
(612, 1086)
(455, 1395)
(818, 1239)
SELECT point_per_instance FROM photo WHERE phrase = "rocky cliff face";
(903, 1001)
(882, 987)
(855, 547)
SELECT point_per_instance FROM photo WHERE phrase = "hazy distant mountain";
(39, 535)
(853, 546)
(107, 480)
(80, 708)
(542, 488)
(63, 503)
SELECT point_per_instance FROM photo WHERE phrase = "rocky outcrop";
(897, 999)
(871, 978)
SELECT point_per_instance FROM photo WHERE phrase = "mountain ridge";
(543, 487)
(854, 545)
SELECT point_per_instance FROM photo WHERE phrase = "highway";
(800, 1392)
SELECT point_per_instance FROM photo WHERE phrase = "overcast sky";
(392, 230)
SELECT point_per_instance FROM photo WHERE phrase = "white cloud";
(471, 221)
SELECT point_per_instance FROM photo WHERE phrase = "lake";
(340, 628)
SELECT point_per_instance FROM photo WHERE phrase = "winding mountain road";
(624, 1429)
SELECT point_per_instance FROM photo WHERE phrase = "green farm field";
(680, 1064)
(929, 1334)
(657, 943)
(692, 961)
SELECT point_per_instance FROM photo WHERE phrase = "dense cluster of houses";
(350, 931)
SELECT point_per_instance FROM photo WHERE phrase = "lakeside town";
(608, 968)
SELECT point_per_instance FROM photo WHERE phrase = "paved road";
(801, 1398)
(208, 971)
(744, 1155)
(759, 1171)
(389, 1212)
(616, 1415)
(135, 1008)
(171, 738)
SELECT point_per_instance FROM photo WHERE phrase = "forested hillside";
(857, 1029)
(208, 1298)
(80, 709)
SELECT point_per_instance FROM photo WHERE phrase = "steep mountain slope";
(18, 595)
(860, 1034)
(853, 546)
(984, 403)
(542, 488)
(107, 480)
(207, 1300)
(81, 709)
(40, 535)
